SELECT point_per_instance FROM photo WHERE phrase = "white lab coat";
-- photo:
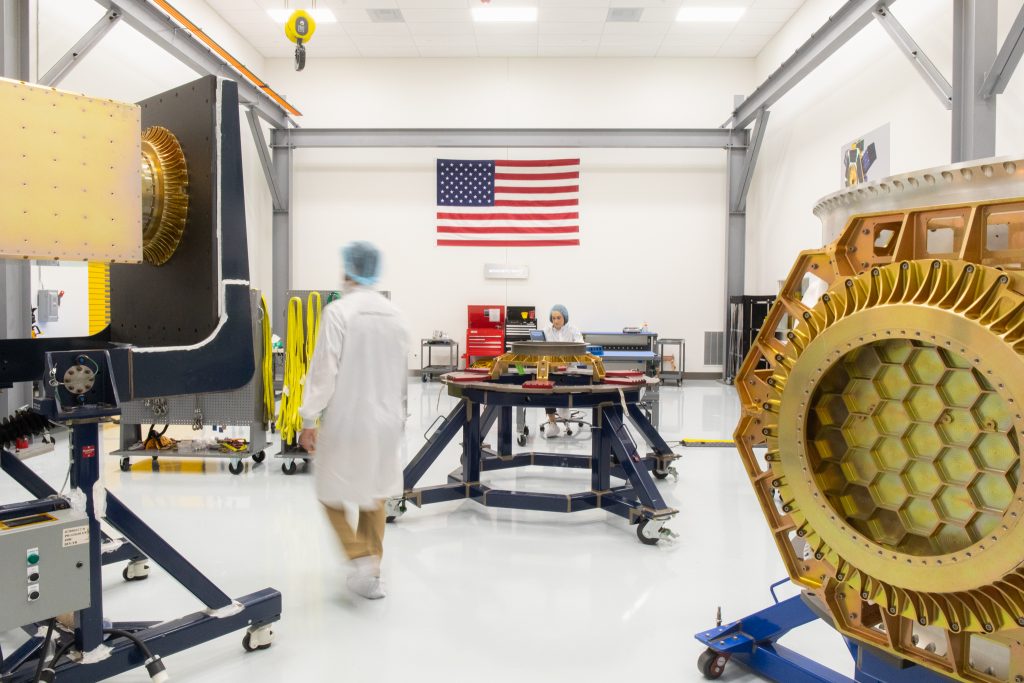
(568, 333)
(355, 385)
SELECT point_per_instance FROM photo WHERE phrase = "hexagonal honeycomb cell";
(913, 447)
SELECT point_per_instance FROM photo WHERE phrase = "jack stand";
(753, 643)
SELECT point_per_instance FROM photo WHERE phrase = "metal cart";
(677, 374)
(428, 369)
(239, 408)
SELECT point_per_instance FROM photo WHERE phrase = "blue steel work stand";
(254, 612)
(753, 643)
(613, 454)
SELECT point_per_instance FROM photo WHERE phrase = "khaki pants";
(367, 538)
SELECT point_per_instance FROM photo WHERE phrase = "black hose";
(60, 653)
(147, 655)
(42, 651)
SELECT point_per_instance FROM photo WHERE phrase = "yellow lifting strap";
(268, 363)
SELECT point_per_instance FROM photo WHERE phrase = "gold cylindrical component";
(164, 194)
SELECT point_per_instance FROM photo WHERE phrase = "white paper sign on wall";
(506, 271)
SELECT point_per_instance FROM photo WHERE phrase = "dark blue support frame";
(753, 643)
(222, 617)
(613, 455)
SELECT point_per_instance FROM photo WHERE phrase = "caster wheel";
(568, 432)
(711, 664)
(236, 467)
(136, 571)
(542, 429)
(259, 638)
(289, 467)
(521, 440)
(126, 464)
(580, 425)
(646, 539)
(526, 431)
(259, 457)
(394, 508)
(659, 474)
(424, 379)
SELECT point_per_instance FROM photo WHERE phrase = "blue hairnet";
(361, 261)
(561, 309)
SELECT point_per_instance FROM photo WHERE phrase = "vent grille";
(385, 15)
(714, 348)
(626, 14)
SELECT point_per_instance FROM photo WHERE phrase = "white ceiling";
(565, 28)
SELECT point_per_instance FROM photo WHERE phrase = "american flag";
(510, 203)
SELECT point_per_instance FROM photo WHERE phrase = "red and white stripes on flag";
(508, 203)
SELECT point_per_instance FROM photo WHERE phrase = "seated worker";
(558, 330)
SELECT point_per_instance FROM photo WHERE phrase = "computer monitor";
(537, 335)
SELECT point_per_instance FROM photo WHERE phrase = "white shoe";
(551, 430)
(365, 580)
(369, 587)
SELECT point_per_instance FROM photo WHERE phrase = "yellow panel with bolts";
(99, 297)
(70, 174)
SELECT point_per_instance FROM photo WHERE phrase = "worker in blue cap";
(558, 329)
(353, 413)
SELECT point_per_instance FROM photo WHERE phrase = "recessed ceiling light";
(710, 13)
(625, 14)
(385, 15)
(322, 15)
(504, 14)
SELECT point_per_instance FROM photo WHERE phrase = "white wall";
(866, 84)
(652, 221)
(127, 66)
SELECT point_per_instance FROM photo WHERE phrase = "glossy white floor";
(474, 593)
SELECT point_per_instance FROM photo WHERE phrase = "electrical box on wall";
(48, 306)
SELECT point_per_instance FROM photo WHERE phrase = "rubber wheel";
(259, 457)
(236, 467)
(126, 464)
(289, 467)
(641, 525)
(424, 379)
(659, 475)
(390, 520)
(568, 432)
(521, 440)
(124, 575)
(247, 644)
(542, 429)
(706, 664)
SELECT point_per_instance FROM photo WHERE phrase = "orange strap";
(224, 54)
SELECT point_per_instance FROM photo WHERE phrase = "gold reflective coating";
(891, 413)
(164, 194)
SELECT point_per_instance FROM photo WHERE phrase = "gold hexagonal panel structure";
(887, 388)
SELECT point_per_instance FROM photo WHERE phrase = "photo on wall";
(866, 159)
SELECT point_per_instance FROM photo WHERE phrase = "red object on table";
(21, 443)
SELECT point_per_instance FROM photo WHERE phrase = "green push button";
(33, 558)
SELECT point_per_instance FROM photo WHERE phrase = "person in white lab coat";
(558, 329)
(354, 392)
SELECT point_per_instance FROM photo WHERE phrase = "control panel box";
(44, 567)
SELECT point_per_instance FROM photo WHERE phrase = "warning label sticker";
(76, 535)
(88, 451)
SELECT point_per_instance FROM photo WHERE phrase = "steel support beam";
(737, 168)
(80, 49)
(974, 48)
(750, 160)
(150, 21)
(909, 47)
(841, 26)
(16, 61)
(264, 153)
(1006, 61)
(697, 138)
(281, 264)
